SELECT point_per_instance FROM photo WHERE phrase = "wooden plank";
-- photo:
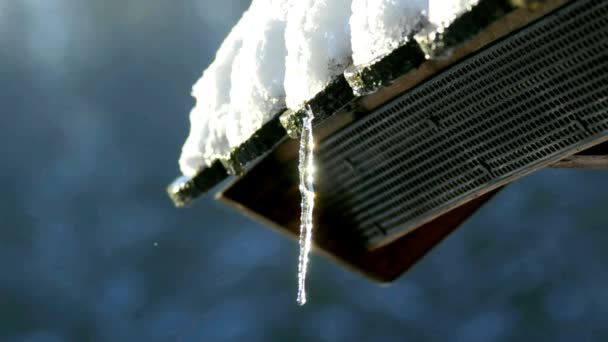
(583, 162)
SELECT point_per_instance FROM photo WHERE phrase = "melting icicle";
(307, 190)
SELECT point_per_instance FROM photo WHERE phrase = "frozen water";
(380, 26)
(307, 191)
(318, 47)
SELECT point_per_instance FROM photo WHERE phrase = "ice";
(318, 47)
(258, 72)
(380, 26)
(306, 169)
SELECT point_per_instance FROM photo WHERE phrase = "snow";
(380, 26)
(258, 72)
(281, 53)
(443, 12)
(318, 47)
(207, 140)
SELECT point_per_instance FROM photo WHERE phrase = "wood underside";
(269, 192)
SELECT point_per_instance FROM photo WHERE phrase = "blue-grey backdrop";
(94, 102)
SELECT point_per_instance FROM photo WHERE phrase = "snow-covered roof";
(282, 53)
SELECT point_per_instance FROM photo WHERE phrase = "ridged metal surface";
(539, 94)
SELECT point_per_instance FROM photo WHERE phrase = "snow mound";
(207, 140)
(443, 12)
(282, 53)
(380, 26)
(258, 72)
(318, 47)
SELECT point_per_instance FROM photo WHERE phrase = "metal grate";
(535, 96)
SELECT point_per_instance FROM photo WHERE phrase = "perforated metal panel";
(533, 97)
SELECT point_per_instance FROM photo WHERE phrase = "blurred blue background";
(94, 101)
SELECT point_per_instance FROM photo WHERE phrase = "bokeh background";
(94, 102)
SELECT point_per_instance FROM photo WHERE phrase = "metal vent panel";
(535, 96)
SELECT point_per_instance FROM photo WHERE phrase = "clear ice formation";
(281, 53)
(307, 191)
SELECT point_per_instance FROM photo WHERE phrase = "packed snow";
(257, 73)
(318, 47)
(209, 117)
(443, 12)
(380, 26)
(281, 53)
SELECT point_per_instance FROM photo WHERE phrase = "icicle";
(307, 190)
